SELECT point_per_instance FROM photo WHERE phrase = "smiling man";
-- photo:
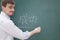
(8, 30)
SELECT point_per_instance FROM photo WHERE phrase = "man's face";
(9, 9)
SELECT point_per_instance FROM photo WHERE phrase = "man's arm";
(10, 28)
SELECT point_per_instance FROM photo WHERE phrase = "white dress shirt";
(8, 30)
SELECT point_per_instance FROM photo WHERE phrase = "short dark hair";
(5, 2)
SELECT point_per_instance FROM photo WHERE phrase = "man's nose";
(13, 10)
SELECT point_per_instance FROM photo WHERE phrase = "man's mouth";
(11, 12)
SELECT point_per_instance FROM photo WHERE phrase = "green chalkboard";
(30, 14)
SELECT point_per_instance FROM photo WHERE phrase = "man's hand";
(35, 31)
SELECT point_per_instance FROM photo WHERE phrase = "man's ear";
(3, 8)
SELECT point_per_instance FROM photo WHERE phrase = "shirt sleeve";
(10, 28)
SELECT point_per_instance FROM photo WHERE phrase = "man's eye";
(10, 7)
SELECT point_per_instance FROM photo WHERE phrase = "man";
(8, 30)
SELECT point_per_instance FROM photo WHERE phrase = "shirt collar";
(5, 15)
